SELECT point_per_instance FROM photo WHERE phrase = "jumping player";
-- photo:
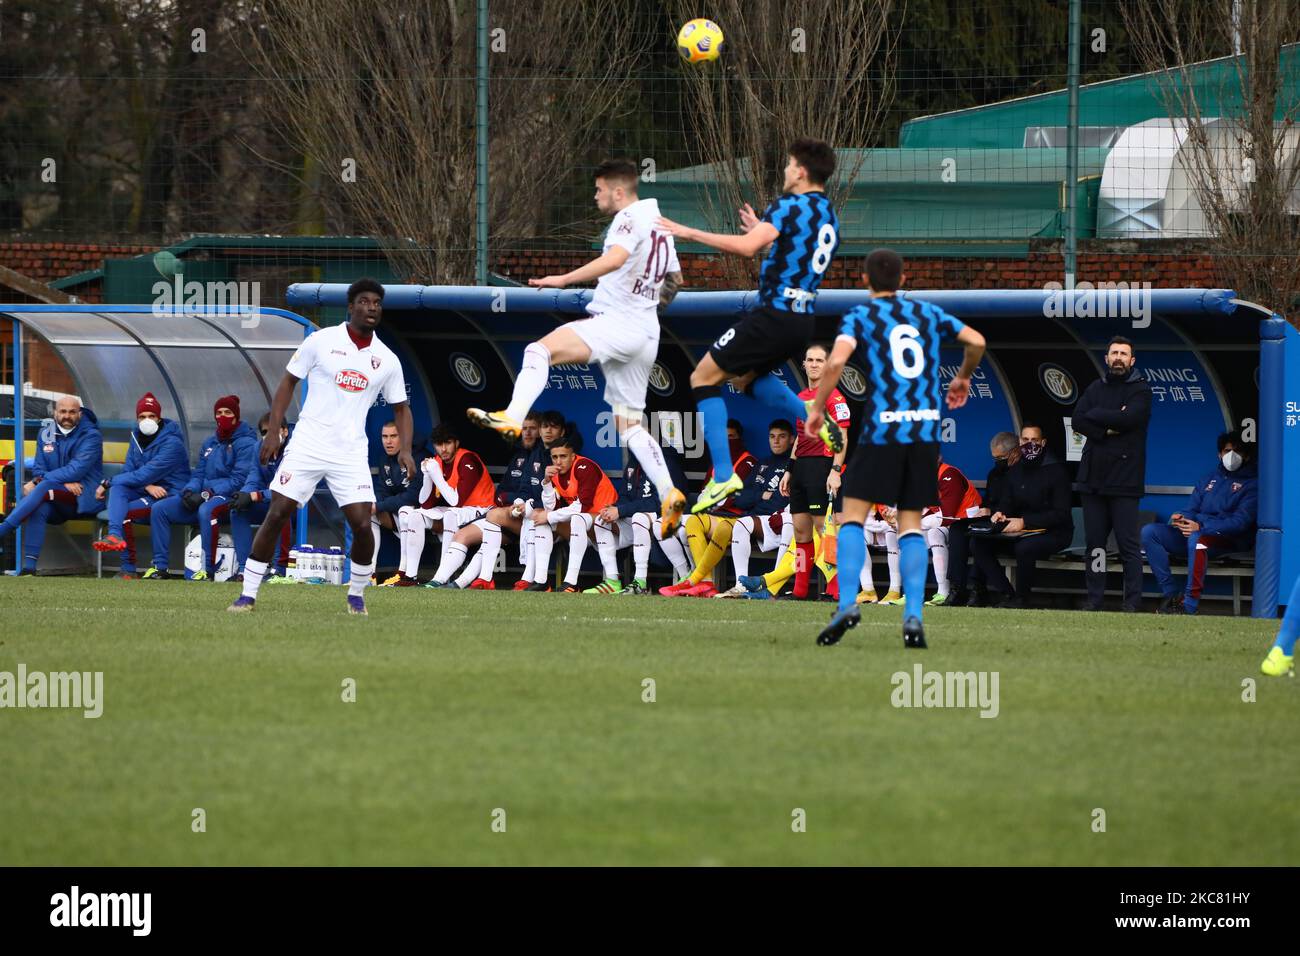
(347, 368)
(637, 269)
(897, 459)
(800, 232)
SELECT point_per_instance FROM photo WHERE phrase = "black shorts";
(765, 339)
(902, 476)
(808, 485)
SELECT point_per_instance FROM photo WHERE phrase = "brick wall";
(1163, 263)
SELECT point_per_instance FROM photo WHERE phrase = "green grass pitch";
(469, 703)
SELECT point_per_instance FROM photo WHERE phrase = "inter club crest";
(285, 477)
(374, 362)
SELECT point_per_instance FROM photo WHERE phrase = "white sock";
(938, 542)
(378, 530)
(448, 535)
(526, 550)
(360, 577)
(742, 545)
(491, 547)
(651, 458)
(676, 554)
(641, 545)
(254, 571)
(865, 579)
(531, 381)
(451, 561)
(472, 571)
(607, 548)
(543, 544)
(891, 557)
(577, 549)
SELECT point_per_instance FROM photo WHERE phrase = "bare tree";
(1241, 137)
(790, 68)
(381, 98)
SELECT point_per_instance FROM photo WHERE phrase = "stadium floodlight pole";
(20, 426)
(481, 144)
(1072, 150)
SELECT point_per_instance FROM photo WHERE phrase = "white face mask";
(148, 426)
(1231, 461)
(66, 431)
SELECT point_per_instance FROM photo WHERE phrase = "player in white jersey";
(347, 368)
(636, 272)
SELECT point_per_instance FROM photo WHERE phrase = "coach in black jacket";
(1034, 496)
(1113, 415)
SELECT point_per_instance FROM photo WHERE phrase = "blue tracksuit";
(161, 460)
(241, 522)
(60, 459)
(524, 474)
(762, 492)
(222, 469)
(1225, 504)
(393, 490)
(637, 493)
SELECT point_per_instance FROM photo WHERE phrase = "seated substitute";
(1034, 498)
(1004, 447)
(251, 503)
(634, 521)
(575, 491)
(394, 490)
(523, 477)
(1219, 519)
(700, 528)
(225, 461)
(456, 490)
(157, 465)
(67, 471)
(958, 498)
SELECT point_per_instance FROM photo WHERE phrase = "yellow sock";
(784, 570)
(697, 536)
(719, 541)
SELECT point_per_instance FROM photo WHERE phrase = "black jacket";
(1113, 416)
(994, 483)
(1038, 492)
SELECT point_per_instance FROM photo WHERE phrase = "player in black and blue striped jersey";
(800, 232)
(896, 462)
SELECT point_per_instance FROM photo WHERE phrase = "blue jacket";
(77, 456)
(1226, 502)
(260, 476)
(164, 461)
(638, 493)
(393, 490)
(524, 474)
(224, 466)
(762, 492)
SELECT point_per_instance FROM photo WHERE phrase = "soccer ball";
(699, 41)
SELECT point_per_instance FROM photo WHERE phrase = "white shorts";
(453, 519)
(301, 470)
(626, 350)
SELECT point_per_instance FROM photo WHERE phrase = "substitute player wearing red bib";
(575, 492)
(347, 370)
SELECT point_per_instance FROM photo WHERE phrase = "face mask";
(226, 427)
(1231, 461)
(1030, 451)
(66, 431)
(148, 427)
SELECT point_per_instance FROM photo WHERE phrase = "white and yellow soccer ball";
(699, 41)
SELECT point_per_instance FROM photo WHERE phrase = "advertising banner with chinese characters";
(1186, 417)
(966, 432)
